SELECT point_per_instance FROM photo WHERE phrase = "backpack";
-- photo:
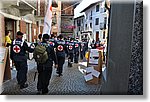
(40, 54)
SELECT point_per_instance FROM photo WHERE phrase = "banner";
(48, 19)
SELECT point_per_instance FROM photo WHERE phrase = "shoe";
(45, 91)
(23, 86)
(60, 75)
(57, 73)
(39, 92)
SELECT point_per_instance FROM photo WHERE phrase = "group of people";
(55, 49)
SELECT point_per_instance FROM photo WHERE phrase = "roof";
(91, 5)
(79, 17)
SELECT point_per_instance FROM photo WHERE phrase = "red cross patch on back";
(76, 45)
(16, 49)
(70, 47)
(60, 48)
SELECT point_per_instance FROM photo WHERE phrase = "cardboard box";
(91, 79)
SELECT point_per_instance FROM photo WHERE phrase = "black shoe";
(23, 86)
(60, 75)
(39, 92)
(45, 91)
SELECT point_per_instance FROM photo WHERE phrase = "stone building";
(67, 17)
(95, 22)
(41, 11)
(18, 15)
(24, 15)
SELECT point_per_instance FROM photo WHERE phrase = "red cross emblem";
(16, 49)
(70, 47)
(51, 43)
(60, 48)
(76, 45)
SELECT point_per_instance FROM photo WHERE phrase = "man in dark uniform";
(66, 43)
(52, 41)
(93, 45)
(60, 52)
(18, 55)
(45, 69)
(76, 50)
(71, 48)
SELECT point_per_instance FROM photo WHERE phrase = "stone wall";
(2, 30)
(136, 68)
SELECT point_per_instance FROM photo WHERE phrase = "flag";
(48, 19)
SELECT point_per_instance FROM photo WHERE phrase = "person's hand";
(56, 65)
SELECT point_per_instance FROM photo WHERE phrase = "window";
(78, 22)
(97, 35)
(105, 20)
(79, 29)
(86, 26)
(90, 25)
(104, 35)
(97, 8)
(90, 16)
(97, 21)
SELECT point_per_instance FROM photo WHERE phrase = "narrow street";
(71, 83)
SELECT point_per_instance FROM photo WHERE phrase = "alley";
(71, 83)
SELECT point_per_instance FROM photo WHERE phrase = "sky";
(81, 6)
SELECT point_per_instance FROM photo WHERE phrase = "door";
(97, 35)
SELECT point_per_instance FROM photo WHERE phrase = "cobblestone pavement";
(71, 83)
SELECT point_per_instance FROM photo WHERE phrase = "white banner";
(48, 19)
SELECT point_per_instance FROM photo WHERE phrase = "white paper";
(89, 69)
(93, 61)
(95, 73)
(88, 77)
(94, 53)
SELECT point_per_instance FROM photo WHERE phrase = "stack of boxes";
(94, 67)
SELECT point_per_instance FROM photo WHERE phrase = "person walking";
(18, 55)
(61, 50)
(76, 50)
(45, 64)
(71, 48)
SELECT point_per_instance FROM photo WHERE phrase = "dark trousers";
(22, 69)
(81, 55)
(76, 56)
(61, 61)
(70, 59)
(43, 80)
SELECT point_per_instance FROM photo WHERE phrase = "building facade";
(26, 16)
(95, 22)
(67, 17)
(79, 26)
(18, 15)
(41, 11)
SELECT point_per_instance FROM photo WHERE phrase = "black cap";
(46, 36)
(19, 33)
(60, 36)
